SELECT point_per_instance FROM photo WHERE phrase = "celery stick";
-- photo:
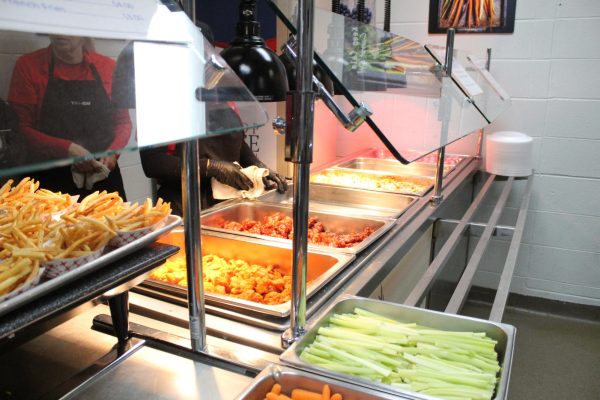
(459, 392)
(344, 333)
(317, 352)
(354, 324)
(483, 365)
(346, 369)
(366, 363)
(311, 358)
(454, 363)
(378, 357)
(365, 313)
(452, 378)
(435, 364)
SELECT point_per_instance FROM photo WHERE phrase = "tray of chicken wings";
(327, 231)
(244, 273)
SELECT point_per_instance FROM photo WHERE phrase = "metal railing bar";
(440, 260)
(511, 259)
(464, 284)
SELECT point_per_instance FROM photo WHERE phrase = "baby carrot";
(273, 396)
(276, 388)
(326, 392)
(336, 396)
(301, 394)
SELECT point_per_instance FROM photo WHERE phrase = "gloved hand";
(275, 180)
(228, 173)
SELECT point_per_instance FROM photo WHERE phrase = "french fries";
(139, 216)
(70, 241)
(38, 226)
(15, 272)
(98, 205)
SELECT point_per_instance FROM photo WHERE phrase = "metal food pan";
(349, 201)
(504, 334)
(392, 166)
(425, 181)
(291, 378)
(450, 160)
(339, 223)
(322, 267)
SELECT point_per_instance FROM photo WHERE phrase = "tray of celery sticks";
(409, 351)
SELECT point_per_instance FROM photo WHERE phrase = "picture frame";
(472, 16)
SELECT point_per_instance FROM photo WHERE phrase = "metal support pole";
(300, 140)
(445, 105)
(449, 51)
(437, 197)
(189, 6)
(190, 190)
(488, 61)
(190, 196)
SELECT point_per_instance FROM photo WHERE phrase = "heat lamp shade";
(260, 69)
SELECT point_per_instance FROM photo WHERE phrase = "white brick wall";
(550, 67)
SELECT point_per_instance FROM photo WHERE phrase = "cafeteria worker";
(61, 94)
(221, 157)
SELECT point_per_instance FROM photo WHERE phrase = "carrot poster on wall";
(472, 16)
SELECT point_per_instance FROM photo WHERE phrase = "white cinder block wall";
(550, 66)
(14, 44)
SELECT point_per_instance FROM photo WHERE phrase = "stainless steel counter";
(165, 367)
(150, 374)
(366, 272)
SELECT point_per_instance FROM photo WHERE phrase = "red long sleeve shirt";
(28, 87)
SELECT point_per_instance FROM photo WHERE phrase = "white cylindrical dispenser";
(509, 153)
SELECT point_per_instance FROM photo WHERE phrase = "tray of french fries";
(48, 239)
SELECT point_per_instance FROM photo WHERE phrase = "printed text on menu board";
(98, 18)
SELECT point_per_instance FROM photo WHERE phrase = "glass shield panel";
(470, 73)
(113, 95)
(416, 109)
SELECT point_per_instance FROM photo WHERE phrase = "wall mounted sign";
(472, 16)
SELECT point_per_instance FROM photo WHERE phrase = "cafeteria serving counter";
(361, 277)
(240, 348)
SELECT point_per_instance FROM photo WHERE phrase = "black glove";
(228, 173)
(275, 180)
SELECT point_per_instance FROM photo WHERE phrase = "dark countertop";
(86, 288)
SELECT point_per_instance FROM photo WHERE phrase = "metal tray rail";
(347, 201)
(504, 334)
(430, 159)
(333, 222)
(322, 267)
(291, 378)
(111, 255)
(378, 165)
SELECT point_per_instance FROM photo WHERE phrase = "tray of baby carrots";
(278, 382)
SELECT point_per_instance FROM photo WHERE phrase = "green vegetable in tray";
(448, 365)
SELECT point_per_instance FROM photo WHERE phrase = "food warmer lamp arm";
(351, 122)
(299, 143)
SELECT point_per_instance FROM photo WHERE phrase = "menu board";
(130, 19)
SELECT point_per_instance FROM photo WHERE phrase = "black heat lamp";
(290, 67)
(256, 65)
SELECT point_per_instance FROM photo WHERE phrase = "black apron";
(79, 111)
